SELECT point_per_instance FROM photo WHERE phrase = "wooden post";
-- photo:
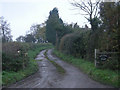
(95, 57)
(56, 40)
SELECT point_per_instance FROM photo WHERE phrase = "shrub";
(14, 56)
(74, 44)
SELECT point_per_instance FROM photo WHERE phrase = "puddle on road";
(44, 68)
(44, 64)
(43, 71)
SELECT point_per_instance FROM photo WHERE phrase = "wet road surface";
(48, 77)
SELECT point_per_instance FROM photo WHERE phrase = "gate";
(101, 57)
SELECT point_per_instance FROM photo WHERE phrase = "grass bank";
(9, 77)
(58, 67)
(105, 76)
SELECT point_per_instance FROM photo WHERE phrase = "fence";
(103, 56)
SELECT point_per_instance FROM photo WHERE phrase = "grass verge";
(105, 76)
(9, 77)
(58, 67)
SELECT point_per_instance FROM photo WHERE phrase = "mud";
(48, 77)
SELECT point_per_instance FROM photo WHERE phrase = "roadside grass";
(58, 67)
(104, 76)
(9, 77)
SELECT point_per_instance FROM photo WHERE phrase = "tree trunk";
(91, 23)
(3, 32)
(56, 40)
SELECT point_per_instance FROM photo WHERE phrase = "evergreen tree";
(54, 27)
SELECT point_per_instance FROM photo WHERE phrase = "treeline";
(36, 34)
(73, 40)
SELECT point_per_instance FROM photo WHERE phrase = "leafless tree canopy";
(89, 7)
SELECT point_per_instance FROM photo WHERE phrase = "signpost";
(95, 57)
(103, 57)
(100, 57)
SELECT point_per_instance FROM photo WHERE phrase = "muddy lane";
(46, 77)
(73, 77)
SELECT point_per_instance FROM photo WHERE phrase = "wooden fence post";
(95, 57)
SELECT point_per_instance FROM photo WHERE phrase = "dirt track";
(48, 77)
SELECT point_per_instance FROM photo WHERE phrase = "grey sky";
(21, 14)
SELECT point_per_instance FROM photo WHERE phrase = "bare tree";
(5, 30)
(89, 8)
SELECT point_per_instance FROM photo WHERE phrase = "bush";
(111, 64)
(14, 56)
(10, 64)
(74, 44)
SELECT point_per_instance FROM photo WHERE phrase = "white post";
(95, 57)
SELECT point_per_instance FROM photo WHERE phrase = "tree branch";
(82, 7)
(97, 8)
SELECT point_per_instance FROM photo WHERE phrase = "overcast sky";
(21, 14)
